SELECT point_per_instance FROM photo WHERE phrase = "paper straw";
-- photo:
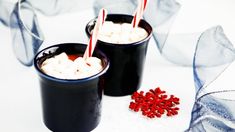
(139, 13)
(94, 36)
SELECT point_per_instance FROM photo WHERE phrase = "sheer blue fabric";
(213, 109)
(26, 34)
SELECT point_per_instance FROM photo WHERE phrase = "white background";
(20, 104)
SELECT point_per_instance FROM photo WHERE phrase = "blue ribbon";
(26, 34)
(214, 53)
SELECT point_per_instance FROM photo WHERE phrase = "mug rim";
(41, 73)
(92, 21)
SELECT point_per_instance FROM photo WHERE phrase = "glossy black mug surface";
(72, 105)
(126, 60)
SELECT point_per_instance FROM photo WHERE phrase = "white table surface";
(20, 102)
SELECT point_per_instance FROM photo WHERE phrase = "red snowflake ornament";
(154, 103)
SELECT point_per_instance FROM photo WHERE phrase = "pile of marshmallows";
(62, 67)
(121, 33)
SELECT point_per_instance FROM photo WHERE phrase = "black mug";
(70, 105)
(126, 60)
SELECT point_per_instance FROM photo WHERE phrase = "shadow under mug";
(72, 105)
(126, 60)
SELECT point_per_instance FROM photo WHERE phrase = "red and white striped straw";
(94, 36)
(139, 13)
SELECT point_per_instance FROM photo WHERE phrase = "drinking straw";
(139, 13)
(93, 38)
